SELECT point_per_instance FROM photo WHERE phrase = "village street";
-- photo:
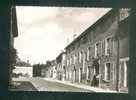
(47, 85)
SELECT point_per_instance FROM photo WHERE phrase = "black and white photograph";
(69, 49)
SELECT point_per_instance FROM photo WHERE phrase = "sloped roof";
(93, 26)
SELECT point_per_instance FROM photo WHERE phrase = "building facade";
(61, 66)
(48, 70)
(123, 49)
(99, 56)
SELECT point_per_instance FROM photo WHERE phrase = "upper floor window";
(80, 57)
(88, 53)
(75, 59)
(98, 49)
(108, 46)
(70, 60)
(85, 55)
(67, 62)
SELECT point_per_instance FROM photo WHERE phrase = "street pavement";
(46, 85)
(22, 86)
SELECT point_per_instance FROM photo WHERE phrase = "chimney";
(74, 36)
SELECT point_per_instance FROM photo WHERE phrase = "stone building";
(61, 66)
(123, 42)
(48, 70)
(97, 55)
(52, 70)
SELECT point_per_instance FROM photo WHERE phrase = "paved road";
(45, 85)
(23, 86)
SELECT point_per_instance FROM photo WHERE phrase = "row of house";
(99, 56)
(55, 68)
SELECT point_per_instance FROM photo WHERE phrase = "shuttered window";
(109, 46)
(103, 47)
(112, 72)
(88, 53)
(107, 71)
(98, 49)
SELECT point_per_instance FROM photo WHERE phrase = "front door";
(80, 75)
(74, 75)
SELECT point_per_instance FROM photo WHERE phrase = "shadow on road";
(22, 86)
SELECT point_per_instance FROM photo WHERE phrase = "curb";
(94, 89)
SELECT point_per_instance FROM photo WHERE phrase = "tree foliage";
(22, 63)
(13, 57)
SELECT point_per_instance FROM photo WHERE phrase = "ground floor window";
(107, 71)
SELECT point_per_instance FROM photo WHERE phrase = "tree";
(13, 57)
(12, 60)
(22, 63)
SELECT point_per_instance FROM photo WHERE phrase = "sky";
(45, 31)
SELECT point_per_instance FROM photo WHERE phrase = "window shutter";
(90, 53)
(94, 50)
(112, 71)
(99, 49)
(112, 46)
(103, 47)
(86, 56)
(103, 72)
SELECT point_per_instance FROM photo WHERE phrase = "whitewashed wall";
(23, 70)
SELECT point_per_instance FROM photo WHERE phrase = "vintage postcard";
(69, 49)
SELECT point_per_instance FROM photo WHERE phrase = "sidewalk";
(83, 86)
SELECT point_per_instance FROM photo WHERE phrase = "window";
(107, 71)
(108, 46)
(96, 50)
(72, 59)
(88, 53)
(85, 55)
(67, 62)
(80, 57)
(75, 58)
